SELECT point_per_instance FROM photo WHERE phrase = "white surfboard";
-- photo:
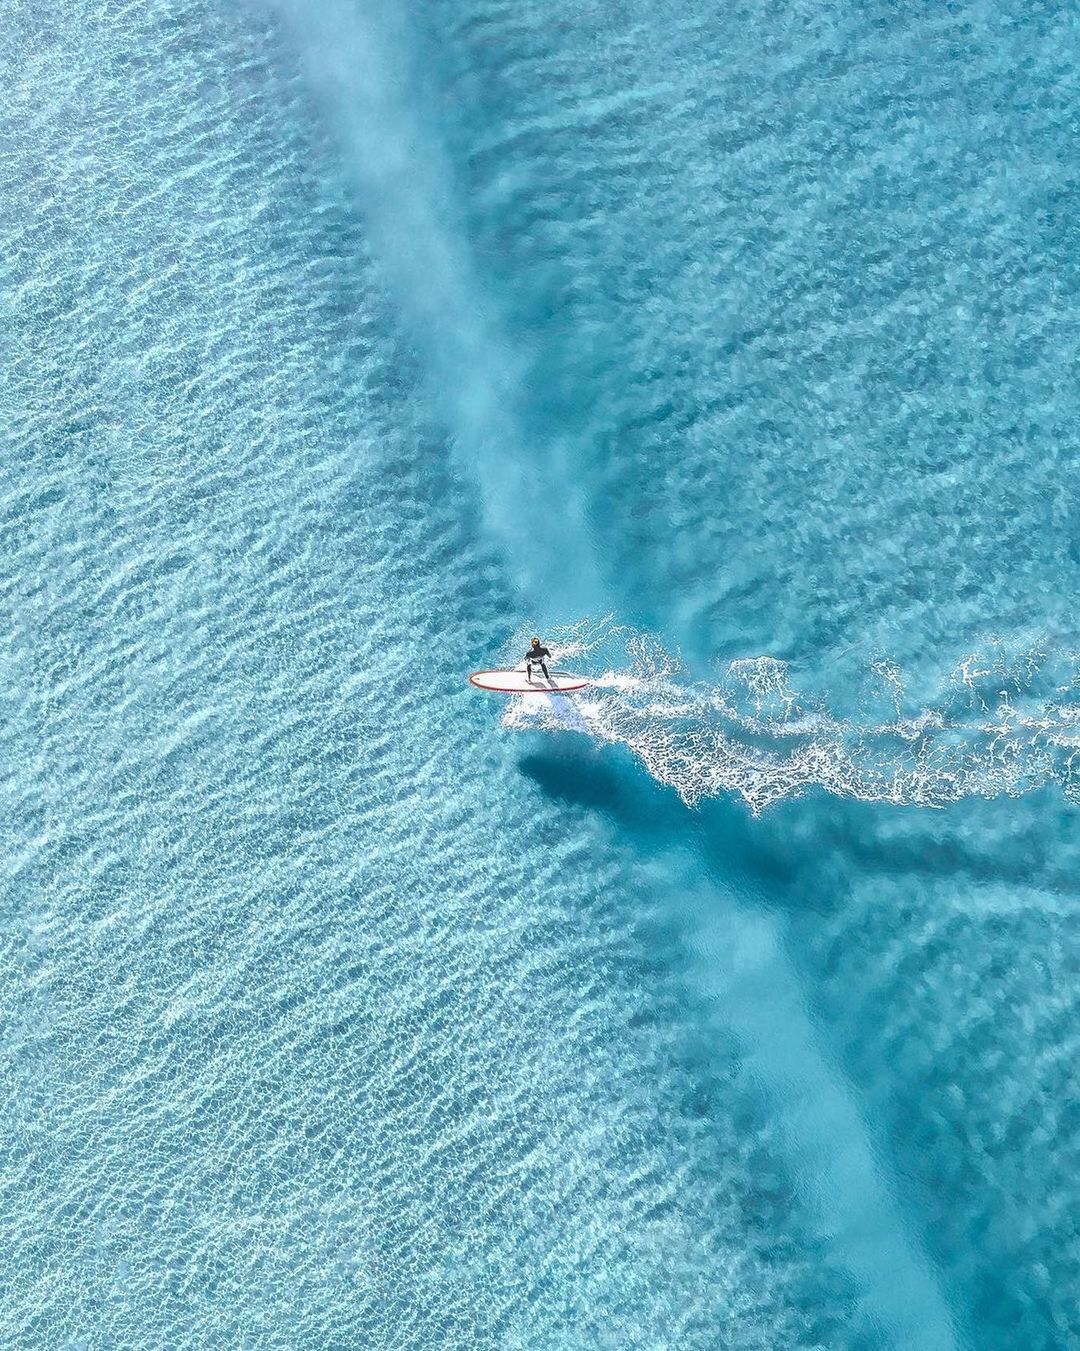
(517, 682)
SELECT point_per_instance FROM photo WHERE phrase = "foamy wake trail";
(993, 731)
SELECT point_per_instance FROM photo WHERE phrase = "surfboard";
(517, 682)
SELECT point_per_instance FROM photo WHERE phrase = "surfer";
(535, 657)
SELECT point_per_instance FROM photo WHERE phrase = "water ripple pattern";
(344, 346)
(322, 1027)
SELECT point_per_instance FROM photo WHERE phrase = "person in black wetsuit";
(535, 657)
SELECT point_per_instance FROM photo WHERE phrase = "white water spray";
(753, 735)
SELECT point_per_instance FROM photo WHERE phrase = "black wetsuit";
(535, 657)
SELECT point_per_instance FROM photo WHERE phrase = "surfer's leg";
(543, 667)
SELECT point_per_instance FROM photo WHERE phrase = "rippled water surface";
(733, 1004)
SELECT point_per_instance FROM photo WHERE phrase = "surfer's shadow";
(721, 833)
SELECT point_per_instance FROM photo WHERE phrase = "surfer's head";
(536, 642)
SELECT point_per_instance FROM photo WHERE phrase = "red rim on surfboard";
(516, 682)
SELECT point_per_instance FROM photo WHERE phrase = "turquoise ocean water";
(732, 348)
